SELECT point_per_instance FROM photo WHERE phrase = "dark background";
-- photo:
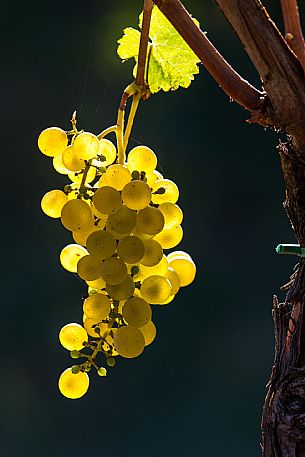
(198, 389)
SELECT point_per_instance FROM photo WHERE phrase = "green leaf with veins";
(171, 62)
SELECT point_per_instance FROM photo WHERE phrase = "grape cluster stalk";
(122, 215)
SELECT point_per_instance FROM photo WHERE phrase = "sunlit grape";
(107, 200)
(185, 269)
(101, 244)
(169, 238)
(137, 312)
(116, 176)
(150, 220)
(173, 215)
(142, 158)
(149, 332)
(72, 336)
(155, 289)
(73, 385)
(153, 253)
(136, 195)
(92, 324)
(76, 215)
(78, 177)
(114, 271)
(174, 279)
(89, 268)
(53, 202)
(123, 221)
(131, 249)
(86, 146)
(108, 150)
(163, 191)
(59, 166)
(121, 291)
(52, 141)
(70, 256)
(71, 161)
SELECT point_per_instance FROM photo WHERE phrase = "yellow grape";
(91, 324)
(169, 238)
(114, 271)
(131, 249)
(170, 194)
(178, 254)
(136, 195)
(150, 220)
(149, 332)
(116, 176)
(52, 203)
(174, 279)
(86, 146)
(121, 291)
(152, 177)
(70, 256)
(97, 306)
(107, 200)
(136, 312)
(80, 236)
(59, 166)
(173, 215)
(76, 215)
(101, 244)
(52, 141)
(73, 385)
(153, 253)
(98, 283)
(129, 341)
(78, 177)
(71, 161)
(185, 269)
(89, 268)
(160, 269)
(108, 150)
(155, 289)
(72, 336)
(142, 158)
(123, 221)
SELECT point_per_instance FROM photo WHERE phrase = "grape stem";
(128, 92)
(106, 132)
(142, 55)
(293, 30)
(133, 109)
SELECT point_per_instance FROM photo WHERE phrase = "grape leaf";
(171, 62)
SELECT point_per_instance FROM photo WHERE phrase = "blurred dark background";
(198, 389)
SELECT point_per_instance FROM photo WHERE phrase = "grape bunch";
(122, 216)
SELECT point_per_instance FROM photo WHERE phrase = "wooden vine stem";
(279, 104)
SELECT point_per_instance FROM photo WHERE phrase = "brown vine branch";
(293, 30)
(140, 76)
(237, 88)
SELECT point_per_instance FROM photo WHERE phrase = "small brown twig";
(142, 57)
(237, 88)
(293, 30)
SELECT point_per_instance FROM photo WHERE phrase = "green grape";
(142, 158)
(129, 341)
(78, 177)
(76, 215)
(97, 283)
(116, 176)
(169, 238)
(97, 306)
(174, 279)
(110, 362)
(75, 354)
(101, 244)
(108, 150)
(91, 324)
(114, 271)
(153, 253)
(89, 268)
(149, 332)
(131, 249)
(70, 256)
(136, 312)
(53, 202)
(75, 369)
(86, 146)
(72, 336)
(71, 161)
(152, 177)
(136, 195)
(160, 269)
(123, 221)
(102, 371)
(185, 269)
(150, 220)
(52, 141)
(173, 215)
(170, 193)
(59, 166)
(107, 200)
(121, 291)
(73, 385)
(175, 254)
(155, 289)
(80, 236)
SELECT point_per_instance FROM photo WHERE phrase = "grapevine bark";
(282, 76)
